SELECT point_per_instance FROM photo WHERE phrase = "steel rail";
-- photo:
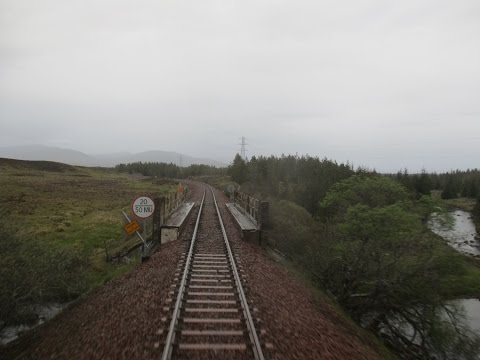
(167, 350)
(257, 348)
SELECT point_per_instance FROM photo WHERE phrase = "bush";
(32, 274)
(291, 227)
(370, 191)
(375, 257)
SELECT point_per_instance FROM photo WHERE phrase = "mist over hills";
(74, 157)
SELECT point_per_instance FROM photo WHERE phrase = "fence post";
(157, 219)
(264, 217)
(164, 209)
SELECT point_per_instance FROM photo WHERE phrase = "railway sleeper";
(211, 281)
(205, 315)
(210, 294)
(196, 266)
(213, 347)
(210, 326)
(211, 310)
(212, 302)
(210, 320)
(206, 275)
(206, 271)
(210, 316)
(210, 255)
(211, 287)
(207, 306)
(213, 333)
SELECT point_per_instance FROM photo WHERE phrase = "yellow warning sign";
(180, 188)
(131, 227)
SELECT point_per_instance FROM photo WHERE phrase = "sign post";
(157, 220)
(143, 207)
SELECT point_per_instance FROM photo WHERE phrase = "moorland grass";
(50, 212)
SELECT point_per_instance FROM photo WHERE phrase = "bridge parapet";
(250, 214)
(253, 208)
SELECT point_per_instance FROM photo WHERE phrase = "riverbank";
(467, 284)
(459, 233)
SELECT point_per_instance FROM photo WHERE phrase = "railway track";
(210, 317)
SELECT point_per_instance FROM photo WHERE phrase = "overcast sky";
(384, 84)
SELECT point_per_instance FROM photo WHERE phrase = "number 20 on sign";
(143, 207)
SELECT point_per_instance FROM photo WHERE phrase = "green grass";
(77, 207)
(467, 282)
(56, 209)
(465, 279)
(466, 204)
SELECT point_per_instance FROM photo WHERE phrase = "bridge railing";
(255, 209)
(164, 208)
(168, 204)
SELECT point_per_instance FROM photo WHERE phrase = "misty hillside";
(73, 157)
(47, 153)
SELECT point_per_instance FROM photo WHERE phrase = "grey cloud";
(385, 84)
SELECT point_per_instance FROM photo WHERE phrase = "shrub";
(32, 274)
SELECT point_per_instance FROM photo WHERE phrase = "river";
(458, 229)
(45, 313)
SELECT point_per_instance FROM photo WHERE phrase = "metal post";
(157, 220)
(144, 250)
(264, 215)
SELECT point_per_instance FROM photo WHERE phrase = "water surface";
(458, 229)
(44, 313)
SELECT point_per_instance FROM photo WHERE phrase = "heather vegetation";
(55, 220)
(32, 274)
(362, 237)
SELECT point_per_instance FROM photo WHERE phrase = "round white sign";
(143, 207)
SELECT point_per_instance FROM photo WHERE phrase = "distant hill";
(47, 153)
(35, 165)
(73, 157)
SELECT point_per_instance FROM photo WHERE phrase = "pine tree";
(450, 191)
(238, 170)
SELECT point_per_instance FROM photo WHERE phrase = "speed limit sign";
(143, 207)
